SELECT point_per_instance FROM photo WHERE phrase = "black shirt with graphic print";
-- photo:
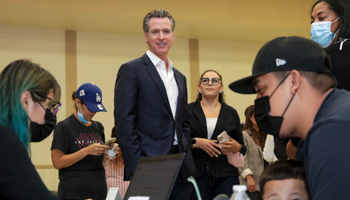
(86, 178)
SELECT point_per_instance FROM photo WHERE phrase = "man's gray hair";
(160, 13)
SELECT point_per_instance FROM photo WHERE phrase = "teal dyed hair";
(17, 77)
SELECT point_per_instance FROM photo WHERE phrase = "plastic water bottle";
(112, 151)
(239, 193)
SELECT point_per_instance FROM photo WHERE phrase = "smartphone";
(223, 137)
(110, 141)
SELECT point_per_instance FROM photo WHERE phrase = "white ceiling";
(238, 20)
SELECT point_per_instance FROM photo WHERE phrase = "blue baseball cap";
(92, 97)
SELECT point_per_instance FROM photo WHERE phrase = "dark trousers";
(210, 187)
(181, 190)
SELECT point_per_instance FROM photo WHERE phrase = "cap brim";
(93, 107)
(245, 85)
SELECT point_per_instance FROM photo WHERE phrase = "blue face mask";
(80, 116)
(322, 34)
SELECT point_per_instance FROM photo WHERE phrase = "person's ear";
(222, 87)
(173, 35)
(26, 97)
(296, 80)
(199, 89)
(77, 102)
(146, 36)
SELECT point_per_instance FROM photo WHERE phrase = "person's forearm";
(66, 160)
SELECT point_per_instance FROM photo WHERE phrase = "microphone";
(221, 197)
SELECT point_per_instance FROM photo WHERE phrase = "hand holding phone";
(110, 141)
(223, 137)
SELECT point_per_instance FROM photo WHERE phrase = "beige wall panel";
(194, 69)
(99, 56)
(71, 67)
(233, 60)
(50, 177)
(47, 48)
(42, 46)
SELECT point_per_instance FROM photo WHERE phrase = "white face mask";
(322, 34)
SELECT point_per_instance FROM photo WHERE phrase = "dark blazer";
(144, 123)
(339, 53)
(228, 121)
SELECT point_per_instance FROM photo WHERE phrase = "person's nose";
(161, 35)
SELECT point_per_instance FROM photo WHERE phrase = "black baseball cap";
(284, 54)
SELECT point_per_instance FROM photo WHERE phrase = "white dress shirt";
(268, 151)
(169, 82)
(211, 124)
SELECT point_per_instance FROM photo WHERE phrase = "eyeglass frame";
(210, 80)
(55, 107)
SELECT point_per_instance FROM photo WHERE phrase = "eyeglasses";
(214, 81)
(55, 108)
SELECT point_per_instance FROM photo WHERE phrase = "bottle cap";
(239, 188)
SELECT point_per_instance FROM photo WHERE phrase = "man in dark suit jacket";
(151, 104)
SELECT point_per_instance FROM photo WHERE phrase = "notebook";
(155, 176)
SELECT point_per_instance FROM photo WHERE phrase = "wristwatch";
(194, 140)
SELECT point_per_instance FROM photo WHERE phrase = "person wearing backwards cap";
(77, 148)
(296, 97)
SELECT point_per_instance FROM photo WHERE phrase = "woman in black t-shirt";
(78, 148)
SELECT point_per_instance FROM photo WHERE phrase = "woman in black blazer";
(209, 116)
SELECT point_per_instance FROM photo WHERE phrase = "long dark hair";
(259, 138)
(342, 9)
(221, 95)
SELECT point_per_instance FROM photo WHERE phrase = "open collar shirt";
(168, 79)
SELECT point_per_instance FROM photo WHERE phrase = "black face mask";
(40, 131)
(267, 123)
